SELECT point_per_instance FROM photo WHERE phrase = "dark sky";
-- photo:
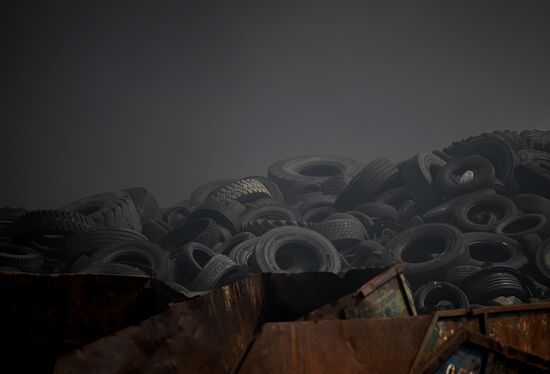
(103, 95)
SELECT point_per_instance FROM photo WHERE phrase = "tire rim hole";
(489, 252)
(423, 249)
(294, 257)
(485, 213)
(521, 224)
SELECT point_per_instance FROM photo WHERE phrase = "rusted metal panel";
(386, 295)
(524, 327)
(44, 315)
(207, 334)
(292, 296)
(213, 330)
(472, 353)
(377, 345)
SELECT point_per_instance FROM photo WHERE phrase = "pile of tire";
(469, 222)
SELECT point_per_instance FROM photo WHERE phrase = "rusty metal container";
(386, 295)
(365, 345)
(472, 353)
(524, 326)
(45, 315)
(212, 332)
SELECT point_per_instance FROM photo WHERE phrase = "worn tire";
(148, 257)
(145, 203)
(310, 169)
(190, 259)
(204, 231)
(244, 254)
(111, 209)
(496, 249)
(201, 193)
(446, 178)
(215, 274)
(226, 213)
(429, 297)
(412, 248)
(471, 206)
(367, 184)
(48, 230)
(22, 258)
(492, 282)
(87, 242)
(243, 191)
(418, 175)
(525, 224)
(296, 249)
(342, 232)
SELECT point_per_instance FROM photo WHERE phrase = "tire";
(376, 176)
(300, 191)
(342, 232)
(273, 188)
(394, 197)
(317, 215)
(48, 230)
(365, 220)
(227, 247)
(7, 218)
(442, 155)
(500, 153)
(204, 231)
(175, 216)
(243, 191)
(522, 225)
(24, 259)
(414, 248)
(418, 175)
(113, 268)
(534, 172)
(261, 225)
(457, 274)
(537, 139)
(199, 194)
(154, 230)
(145, 203)
(484, 247)
(190, 259)
(490, 283)
(148, 257)
(215, 274)
(477, 205)
(531, 203)
(267, 213)
(378, 210)
(370, 254)
(227, 214)
(439, 296)
(542, 262)
(336, 184)
(384, 230)
(447, 182)
(444, 213)
(112, 209)
(310, 169)
(309, 251)
(244, 255)
(315, 201)
(408, 209)
(88, 242)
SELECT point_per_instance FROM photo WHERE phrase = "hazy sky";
(102, 95)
